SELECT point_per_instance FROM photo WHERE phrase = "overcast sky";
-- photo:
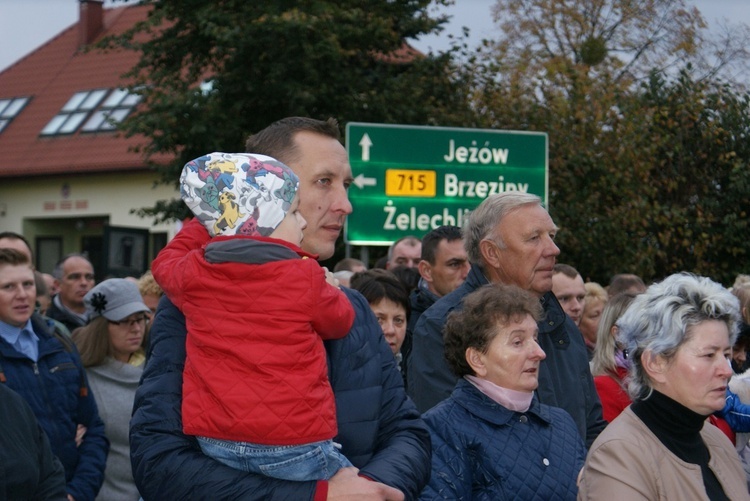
(27, 24)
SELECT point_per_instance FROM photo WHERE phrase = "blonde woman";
(111, 348)
(609, 365)
(596, 298)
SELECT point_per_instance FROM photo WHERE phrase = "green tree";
(660, 188)
(213, 72)
(702, 166)
(627, 145)
(653, 183)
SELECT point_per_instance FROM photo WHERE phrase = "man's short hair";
(623, 282)
(407, 275)
(41, 285)
(565, 269)
(381, 262)
(431, 240)
(13, 257)
(347, 264)
(411, 240)
(484, 219)
(12, 235)
(277, 140)
(57, 272)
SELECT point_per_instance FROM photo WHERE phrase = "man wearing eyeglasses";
(41, 364)
(74, 274)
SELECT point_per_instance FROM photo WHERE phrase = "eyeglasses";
(141, 321)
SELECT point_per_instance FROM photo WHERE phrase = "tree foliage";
(261, 61)
(648, 169)
(700, 135)
(649, 154)
(660, 188)
(624, 40)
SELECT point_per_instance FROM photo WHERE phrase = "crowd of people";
(467, 363)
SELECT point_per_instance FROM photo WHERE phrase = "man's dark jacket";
(56, 388)
(421, 299)
(72, 322)
(380, 430)
(28, 469)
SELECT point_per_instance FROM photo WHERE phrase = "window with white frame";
(10, 108)
(92, 111)
(113, 110)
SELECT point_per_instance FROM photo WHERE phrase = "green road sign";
(411, 179)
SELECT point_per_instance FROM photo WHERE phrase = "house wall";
(64, 214)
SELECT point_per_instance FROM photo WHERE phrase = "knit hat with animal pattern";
(238, 193)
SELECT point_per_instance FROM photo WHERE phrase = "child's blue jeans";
(314, 461)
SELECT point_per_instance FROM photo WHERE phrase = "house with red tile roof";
(69, 181)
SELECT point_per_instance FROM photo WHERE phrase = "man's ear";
(425, 270)
(490, 253)
(475, 359)
(654, 365)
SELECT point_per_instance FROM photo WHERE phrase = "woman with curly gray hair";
(678, 336)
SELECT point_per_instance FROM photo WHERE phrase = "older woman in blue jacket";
(492, 439)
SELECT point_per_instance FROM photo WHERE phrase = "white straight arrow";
(365, 143)
(361, 181)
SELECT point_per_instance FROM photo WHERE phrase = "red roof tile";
(51, 75)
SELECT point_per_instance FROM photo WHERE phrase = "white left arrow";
(365, 143)
(361, 181)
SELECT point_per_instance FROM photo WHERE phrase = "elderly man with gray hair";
(510, 240)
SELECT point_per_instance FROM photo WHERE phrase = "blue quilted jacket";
(483, 451)
(53, 387)
(564, 377)
(380, 430)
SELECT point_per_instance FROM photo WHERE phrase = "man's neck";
(494, 278)
(11, 327)
(78, 310)
(431, 289)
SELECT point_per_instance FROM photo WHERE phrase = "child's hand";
(331, 279)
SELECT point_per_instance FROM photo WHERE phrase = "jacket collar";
(252, 250)
(476, 278)
(554, 316)
(469, 397)
(423, 296)
(47, 342)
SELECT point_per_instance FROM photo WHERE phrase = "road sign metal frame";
(410, 178)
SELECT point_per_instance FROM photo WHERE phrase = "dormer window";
(97, 110)
(10, 108)
(113, 110)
